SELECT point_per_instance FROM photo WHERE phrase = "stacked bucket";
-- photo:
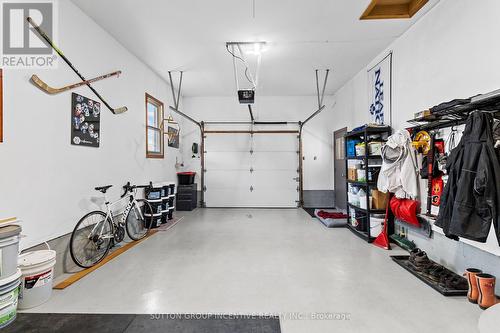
(168, 196)
(154, 198)
(26, 279)
(161, 198)
(10, 275)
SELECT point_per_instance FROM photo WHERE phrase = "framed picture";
(173, 137)
(85, 121)
(1, 105)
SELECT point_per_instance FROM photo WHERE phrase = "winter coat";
(471, 197)
(399, 172)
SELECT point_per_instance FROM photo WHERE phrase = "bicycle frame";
(109, 212)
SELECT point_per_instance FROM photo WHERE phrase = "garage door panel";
(259, 197)
(274, 198)
(227, 161)
(227, 143)
(228, 179)
(275, 161)
(266, 179)
(227, 188)
(275, 142)
(228, 198)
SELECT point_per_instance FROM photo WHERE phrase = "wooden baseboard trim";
(81, 274)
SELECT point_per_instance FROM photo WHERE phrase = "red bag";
(437, 190)
(405, 210)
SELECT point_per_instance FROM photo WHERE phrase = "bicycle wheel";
(91, 239)
(137, 222)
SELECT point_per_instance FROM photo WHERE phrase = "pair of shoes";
(452, 281)
(481, 288)
(418, 260)
(434, 272)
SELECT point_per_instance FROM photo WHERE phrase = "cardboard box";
(379, 199)
(422, 114)
(352, 174)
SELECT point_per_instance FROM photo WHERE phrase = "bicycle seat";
(103, 189)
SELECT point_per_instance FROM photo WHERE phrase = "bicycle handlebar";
(129, 188)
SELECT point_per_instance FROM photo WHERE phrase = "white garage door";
(251, 171)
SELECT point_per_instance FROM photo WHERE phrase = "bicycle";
(97, 232)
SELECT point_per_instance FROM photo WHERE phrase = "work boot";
(413, 254)
(470, 274)
(486, 286)
(421, 261)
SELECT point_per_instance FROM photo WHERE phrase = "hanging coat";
(399, 172)
(471, 197)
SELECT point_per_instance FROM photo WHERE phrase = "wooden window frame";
(1, 105)
(159, 104)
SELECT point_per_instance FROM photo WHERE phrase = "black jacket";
(471, 197)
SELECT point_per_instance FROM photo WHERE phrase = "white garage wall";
(450, 53)
(44, 180)
(317, 139)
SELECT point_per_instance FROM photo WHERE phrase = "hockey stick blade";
(120, 110)
(52, 91)
(42, 85)
(47, 39)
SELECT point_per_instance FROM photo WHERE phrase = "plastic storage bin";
(153, 193)
(171, 189)
(360, 149)
(375, 148)
(351, 147)
(157, 209)
(186, 178)
(155, 220)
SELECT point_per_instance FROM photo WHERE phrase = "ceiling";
(303, 35)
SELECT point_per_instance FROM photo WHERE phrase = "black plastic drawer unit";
(187, 197)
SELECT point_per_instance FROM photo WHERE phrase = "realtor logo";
(21, 45)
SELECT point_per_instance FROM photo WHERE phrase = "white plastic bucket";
(9, 294)
(376, 224)
(9, 249)
(362, 202)
(37, 270)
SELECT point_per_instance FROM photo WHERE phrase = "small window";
(154, 132)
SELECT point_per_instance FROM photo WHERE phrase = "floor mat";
(338, 221)
(120, 323)
(310, 211)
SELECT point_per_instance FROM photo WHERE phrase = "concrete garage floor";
(261, 261)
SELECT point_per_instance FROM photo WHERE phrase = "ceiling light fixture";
(255, 48)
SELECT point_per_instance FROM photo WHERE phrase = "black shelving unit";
(364, 135)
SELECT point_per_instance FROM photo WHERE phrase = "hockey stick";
(52, 91)
(59, 52)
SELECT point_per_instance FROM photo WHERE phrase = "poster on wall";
(173, 137)
(380, 90)
(85, 121)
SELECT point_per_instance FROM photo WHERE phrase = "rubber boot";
(470, 274)
(486, 284)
